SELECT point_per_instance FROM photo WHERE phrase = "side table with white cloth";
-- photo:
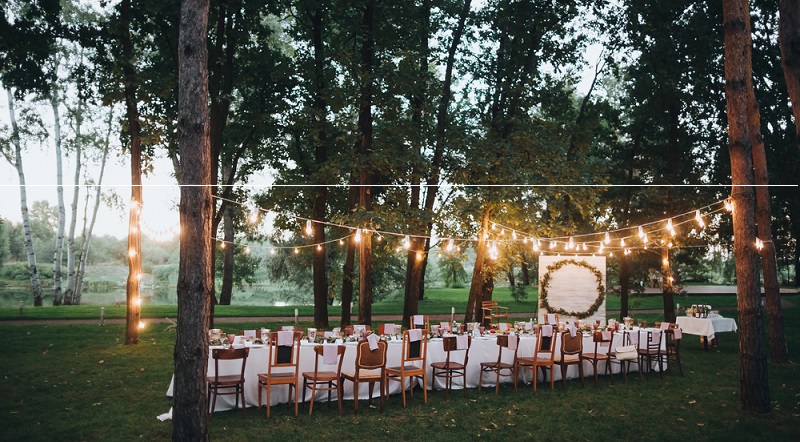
(707, 328)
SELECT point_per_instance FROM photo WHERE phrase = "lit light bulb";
(380, 238)
(584, 247)
(309, 230)
(131, 253)
(450, 245)
(296, 250)
(644, 239)
(670, 228)
(358, 235)
(552, 245)
(641, 232)
(514, 235)
(272, 251)
(729, 205)
(535, 246)
(141, 325)
(341, 242)
(319, 247)
(222, 246)
(602, 248)
(407, 242)
(699, 219)
(622, 242)
(246, 250)
(137, 301)
(253, 217)
(494, 226)
(665, 262)
(571, 244)
(608, 238)
(759, 244)
(419, 256)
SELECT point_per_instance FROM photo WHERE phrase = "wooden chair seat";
(448, 366)
(321, 376)
(224, 381)
(365, 374)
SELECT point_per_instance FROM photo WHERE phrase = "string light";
(407, 242)
(450, 245)
(699, 219)
(608, 238)
(309, 230)
(644, 239)
(622, 242)
(665, 261)
(222, 245)
(602, 247)
(253, 217)
(358, 235)
(137, 301)
(729, 205)
(419, 256)
(535, 246)
(641, 232)
(141, 325)
(319, 247)
(670, 228)
(296, 250)
(131, 253)
(759, 244)
(584, 247)
(571, 244)
(246, 250)
(552, 245)
(341, 242)
(514, 234)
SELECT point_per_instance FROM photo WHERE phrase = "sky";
(161, 195)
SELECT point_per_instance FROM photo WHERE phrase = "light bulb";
(584, 247)
(253, 217)
(699, 219)
(622, 242)
(309, 230)
(644, 239)
(450, 245)
(358, 235)
(514, 234)
(341, 242)
(296, 250)
(608, 238)
(602, 247)
(141, 325)
(670, 228)
(641, 232)
(407, 242)
(319, 247)
(222, 246)
(246, 250)
(571, 244)
(131, 253)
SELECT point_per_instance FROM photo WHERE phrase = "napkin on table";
(414, 335)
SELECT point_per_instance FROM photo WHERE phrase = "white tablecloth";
(707, 327)
(484, 349)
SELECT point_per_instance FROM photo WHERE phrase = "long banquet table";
(484, 349)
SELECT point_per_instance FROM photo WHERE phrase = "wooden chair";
(551, 319)
(281, 357)
(426, 322)
(491, 311)
(324, 380)
(614, 357)
(451, 369)
(649, 349)
(224, 382)
(370, 366)
(499, 366)
(543, 357)
(571, 349)
(674, 335)
(602, 348)
(349, 330)
(382, 329)
(413, 352)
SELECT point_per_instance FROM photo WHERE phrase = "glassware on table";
(231, 339)
(312, 334)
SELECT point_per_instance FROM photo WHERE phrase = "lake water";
(254, 295)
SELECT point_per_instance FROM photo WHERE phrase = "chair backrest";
(382, 329)
(650, 339)
(284, 355)
(602, 346)
(350, 330)
(319, 352)
(551, 318)
(371, 359)
(502, 342)
(545, 345)
(227, 354)
(425, 322)
(415, 351)
(489, 304)
(450, 345)
(571, 345)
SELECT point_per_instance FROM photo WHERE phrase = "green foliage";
(518, 292)
(451, 270)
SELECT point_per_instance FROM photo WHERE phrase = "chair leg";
(610, 371)
(355, 396)
(564, 376)
(424, 389)
(244, 406)
(339, 395)
(552, 378)
(535, 371)
(402, 389)
(296, 396)
(480, 380)
(580, 372)
(497, 383)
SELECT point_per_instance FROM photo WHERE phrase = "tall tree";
(789, 36)
(55, 102)
(195, 284)
(16, 161)
(738, 81)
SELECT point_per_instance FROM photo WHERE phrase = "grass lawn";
(437, 301)
(78, 382)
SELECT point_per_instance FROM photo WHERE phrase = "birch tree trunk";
(69, 296)
(738, 74)
(87, 232)
(195, 285)
(33, 271)
(59, 249)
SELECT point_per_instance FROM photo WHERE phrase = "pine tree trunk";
(69, 296)
(624, 286)
(133, 314)
(364, 152)
(738, 72)
(789, 36)
(769, 264)
(476, 287)
(348, 275)
(319, 122)
(33, 270)
(228, 261)
(195, 288)
(58, 297)
(668, 289)
(88, 231)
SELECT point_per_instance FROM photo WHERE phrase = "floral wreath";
(601, 290)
